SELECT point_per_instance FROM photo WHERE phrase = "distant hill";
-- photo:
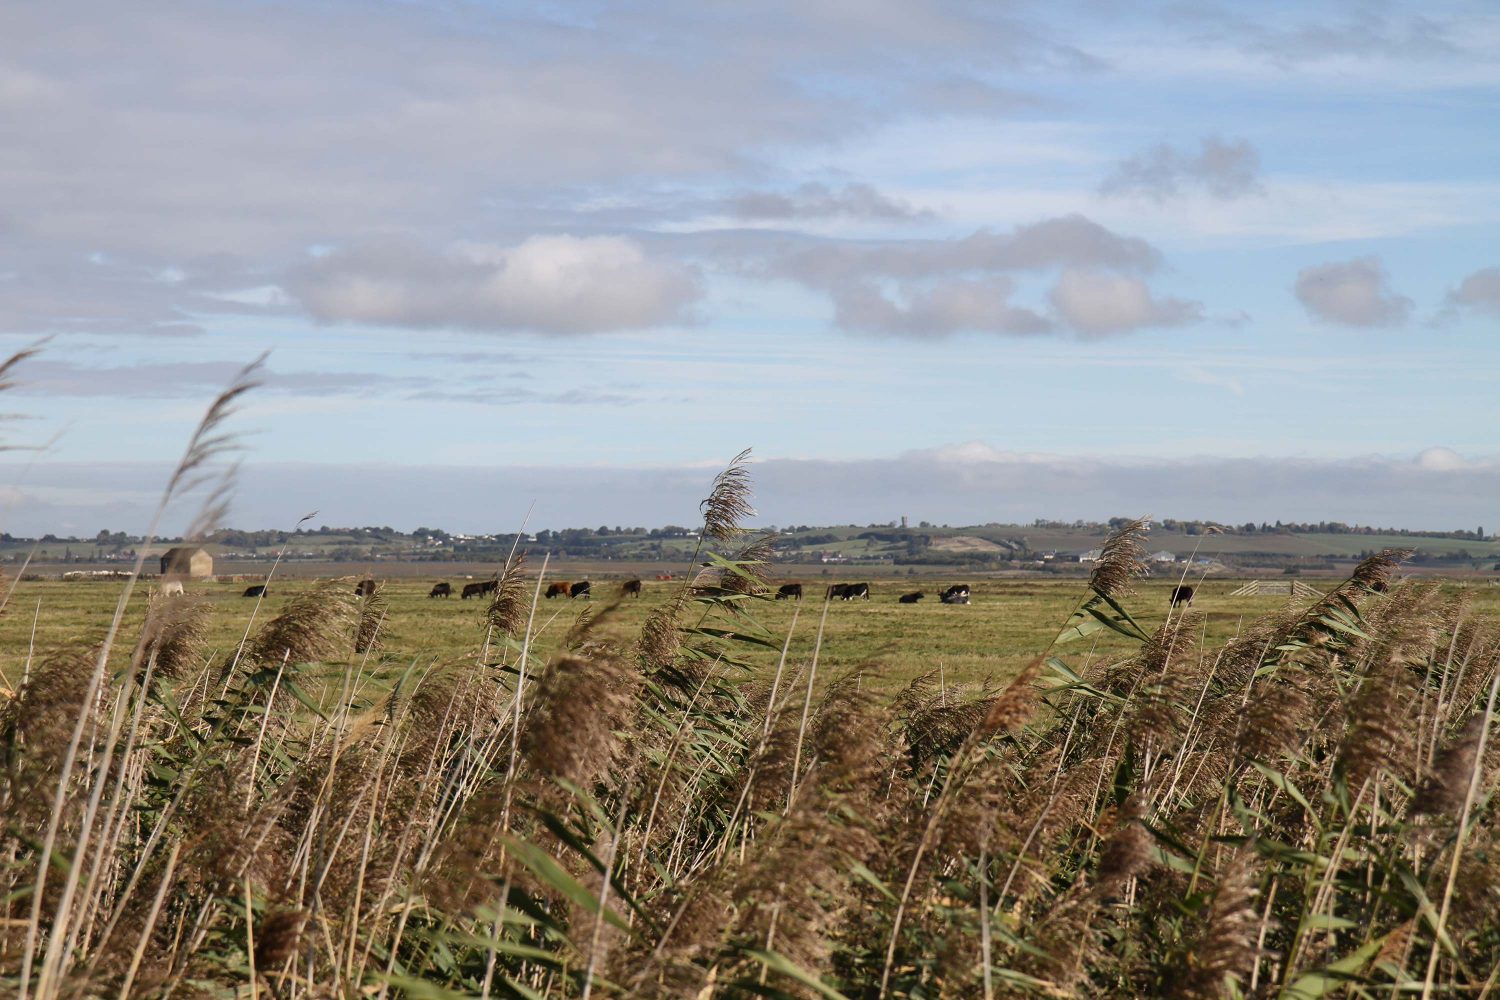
(1043, 545)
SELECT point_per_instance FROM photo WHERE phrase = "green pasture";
(1008, 622)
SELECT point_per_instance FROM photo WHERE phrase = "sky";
(963, 262)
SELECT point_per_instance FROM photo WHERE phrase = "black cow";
(471, 590)
(911, 598)
(259, 590)
(630, 588)
(837, 591)
(579, 589)
(444, 589)
(855, 591)
(956, 594)
(789, 592)
(559, 589)
(1182, 595)
(364, 588)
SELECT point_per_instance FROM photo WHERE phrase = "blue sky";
(965, 262)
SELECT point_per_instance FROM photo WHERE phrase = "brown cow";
(560, 589)
(630, 588)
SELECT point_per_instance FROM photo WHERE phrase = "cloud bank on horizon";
(581, 236)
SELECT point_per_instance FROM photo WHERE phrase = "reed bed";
(1306, 810)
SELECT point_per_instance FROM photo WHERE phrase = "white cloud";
(1097, 303)
(1353, 293)
(819, 201)
(926, 286)
(1440, 459)
(1224, 170)
(1480, 290)
(556, 284)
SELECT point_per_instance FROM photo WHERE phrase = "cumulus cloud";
(1479, 291)
(944, 307)
(1097, 303)
(553, 284)
(1223, 169)
(1353, 293)
(819, 201)
(935, 286)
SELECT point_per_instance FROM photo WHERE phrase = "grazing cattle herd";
(958, 593)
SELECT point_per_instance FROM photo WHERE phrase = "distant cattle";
(259, 590)
(479, 589)
(664, 576)
(855, 591)
(789, 592)
(579, 589)
(558, 589)
(171, 588)
(630, 588)
(441, 590)
(364, 588)
(956, 594)
(911, 598)
(1182, 595)
(836, 591)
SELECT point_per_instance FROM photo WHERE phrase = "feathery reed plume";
(1122, 559)
(1444, 790)
(175, 633)
(209, 440)
(749, 562)
(278, 938)
(1375, 572)
(1127, 851)
(660, 640)
(1016, 702)
(314, 626)
(509, 607)
(728, 502)
(580, 706)
(371, 631)
(7, 367)
(936, 720)
(1226, 942)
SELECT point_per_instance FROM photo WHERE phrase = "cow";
(443, 589)
(259, 590)
(1182, 595)
(789, 592)
(579, 589)
(956, 594)
(171, 588)
(911, 598)
(837, 591)
(364, 588)
(855, 591)
(479, 589)
(630, 588)
(560, 589)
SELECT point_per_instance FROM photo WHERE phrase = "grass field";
(990, 639)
